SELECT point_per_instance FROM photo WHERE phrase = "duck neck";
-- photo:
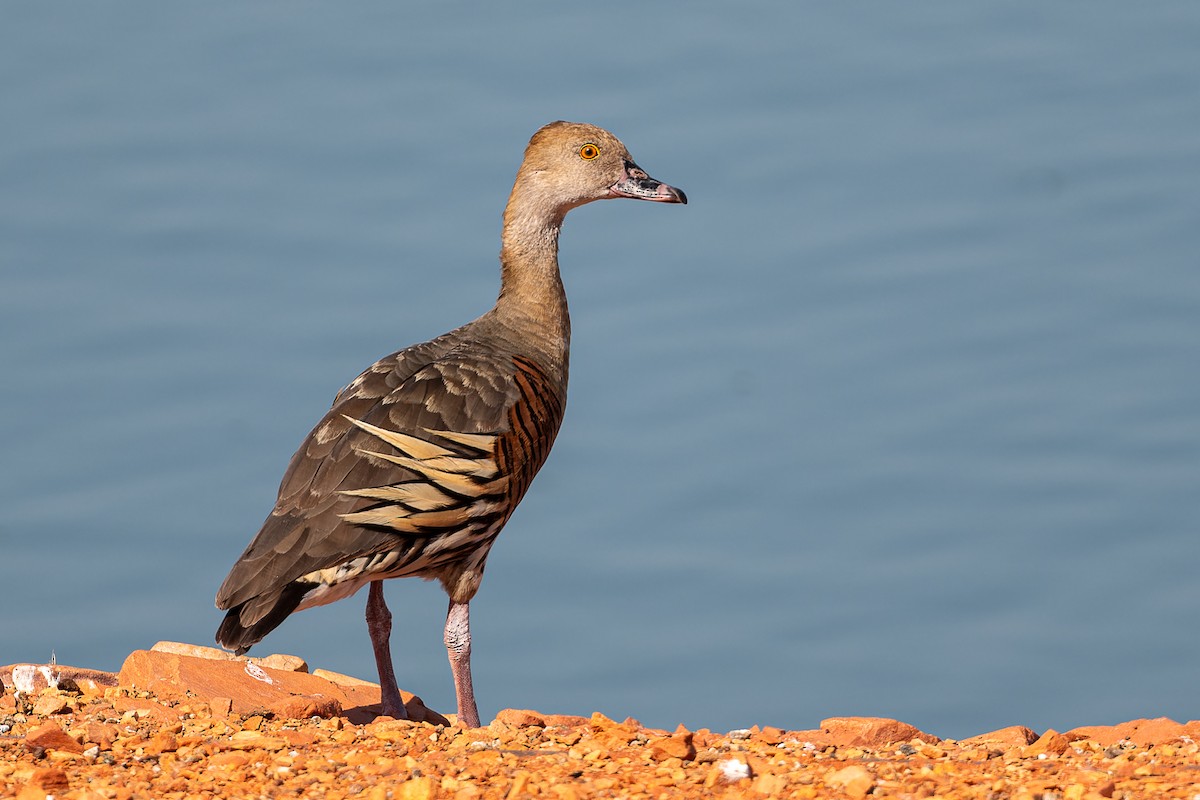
(531, 289)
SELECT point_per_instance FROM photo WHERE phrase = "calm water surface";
(900, 416)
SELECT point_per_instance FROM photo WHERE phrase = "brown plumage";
(423, 457)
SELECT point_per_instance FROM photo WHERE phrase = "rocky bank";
(181, 721)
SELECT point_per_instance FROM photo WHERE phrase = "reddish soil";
(182, 721)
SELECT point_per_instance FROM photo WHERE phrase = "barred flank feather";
(393, 496)
(425, 455)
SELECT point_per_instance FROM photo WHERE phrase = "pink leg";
(458, 647)
(379, 624)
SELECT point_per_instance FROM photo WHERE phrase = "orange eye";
(588, 152)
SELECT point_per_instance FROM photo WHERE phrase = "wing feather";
(434, 440)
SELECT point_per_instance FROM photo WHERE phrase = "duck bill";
(636, 184)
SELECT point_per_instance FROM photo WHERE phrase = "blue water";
(900, 416)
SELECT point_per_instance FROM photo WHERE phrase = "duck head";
(576, 163)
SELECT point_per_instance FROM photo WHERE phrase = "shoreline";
(182, 721)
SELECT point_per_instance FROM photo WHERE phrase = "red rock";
(678, 746)
(51, 702)
(386, 729)
(610, 734)
(600, 722)
(251, 687)
(615, 738)
(520, 718)
(854, 780)
(101, 734)
(52, 737)
(161, 742)
(303, 707)
(769, 735)
(418, 788)
(193, 650)
(282, 661)
(1049, 742)
(1105, 735)
(273, 661)
(769, 785)
(229, 758)
(1012, 736)
(1158, 731)
(340, 679)
(144, 707)
(871, 731)
(51, 780)
(253, 740)
(298, 738)
(564, 720)
(813, 737)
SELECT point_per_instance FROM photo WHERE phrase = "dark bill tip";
(636, 184)
(671, 195)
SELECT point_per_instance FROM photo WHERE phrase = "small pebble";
(734, 770)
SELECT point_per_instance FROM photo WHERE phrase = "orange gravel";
(121, 742)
